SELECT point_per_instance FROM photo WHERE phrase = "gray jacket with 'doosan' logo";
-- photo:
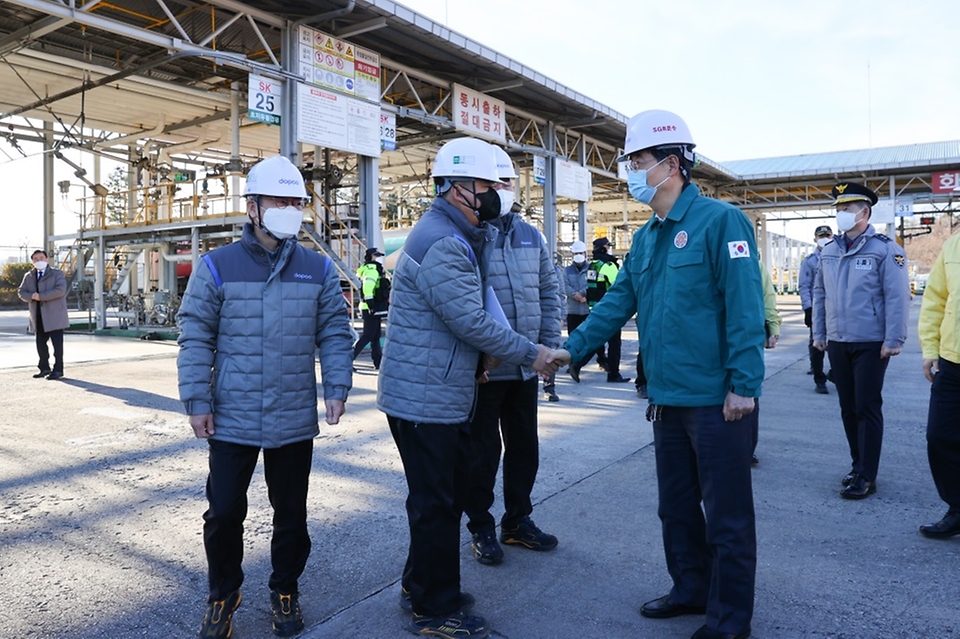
(250, 327)
(862, 294)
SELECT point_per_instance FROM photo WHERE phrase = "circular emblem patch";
(680, 240)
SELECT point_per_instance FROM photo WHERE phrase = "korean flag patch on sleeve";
(739, 249)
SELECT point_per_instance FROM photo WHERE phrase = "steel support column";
(582, 206)
(99, 300)
(550, 191)
(48, 179)
(368, 171)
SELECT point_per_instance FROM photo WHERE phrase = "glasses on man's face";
(635, 164)
(269, 202)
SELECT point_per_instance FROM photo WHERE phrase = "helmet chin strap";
(473, 210)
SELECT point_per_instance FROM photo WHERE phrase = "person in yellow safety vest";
(772, 321)
(374, 287)
(601, 274)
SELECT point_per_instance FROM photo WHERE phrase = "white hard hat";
(276, 176)
(466, 158)
(505, 167)
(578, 247)
(655, 128)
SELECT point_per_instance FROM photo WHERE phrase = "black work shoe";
(218, 621)
(642, 391)
(486, 549)
(574, 371)
(467, 601)
(849, 477)
(528, 535)
(285, 608)
(703, 632)
(663, 608)
(754, 461)
(551, 397)
(947, 527)
(602, 365)
(859, 488)
(617, 378)
(41, 374)
(54, 375)
(822, 389)
(455, 626)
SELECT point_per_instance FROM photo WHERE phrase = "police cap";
(823, 231)
(600, 242)
(853, 192)
(372, 252)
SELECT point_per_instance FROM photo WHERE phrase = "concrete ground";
(101, 497)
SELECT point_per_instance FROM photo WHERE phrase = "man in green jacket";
(693, 279)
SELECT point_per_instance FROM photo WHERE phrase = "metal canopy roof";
(911, 156)
(184, 99)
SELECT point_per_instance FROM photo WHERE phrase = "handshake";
(549, 360)
(547, 363)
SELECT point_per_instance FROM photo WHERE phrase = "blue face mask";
(637, 184)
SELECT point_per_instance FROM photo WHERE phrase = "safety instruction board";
(573, 181)
(336, 121)
(478, 114)
(327, 61)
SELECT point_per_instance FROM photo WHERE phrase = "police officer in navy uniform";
(861, 298)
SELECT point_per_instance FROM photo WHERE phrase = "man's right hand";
(543, 364)
(820, 345)
(930, 369)
(202, 426)
(808, 317)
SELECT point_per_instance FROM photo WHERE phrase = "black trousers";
(943, 433)
(858, 373)
(508, 407)
(371, 335)
(56, 338)
(287, 472)
(436, 462)
(641, 377)
(816, 362)
(711, 551)
(610, 360)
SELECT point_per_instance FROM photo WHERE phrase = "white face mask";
(846, 220)
(506, 201)
(41, 266)
(579, 258)
(283, 223)
(821, 242)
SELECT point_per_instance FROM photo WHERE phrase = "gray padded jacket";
(516, 263)
(249, 333)
(575, 276)
(437, 326)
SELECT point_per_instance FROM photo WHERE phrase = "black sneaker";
(574, 371)
(285, 608)
(821, 388)
(454, 626)
(218, 621)
(642, 391)
(528, 535)
(467, 601)
(41, 374)
(551, 397)
(486, 549)
(617, 378)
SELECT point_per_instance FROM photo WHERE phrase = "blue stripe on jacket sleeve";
(213, 271)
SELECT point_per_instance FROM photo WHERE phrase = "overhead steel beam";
(178, 45)
(22, 37)
(361, 27)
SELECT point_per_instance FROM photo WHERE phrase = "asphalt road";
(101, 496)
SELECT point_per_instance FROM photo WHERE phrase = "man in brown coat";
(45, 289)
